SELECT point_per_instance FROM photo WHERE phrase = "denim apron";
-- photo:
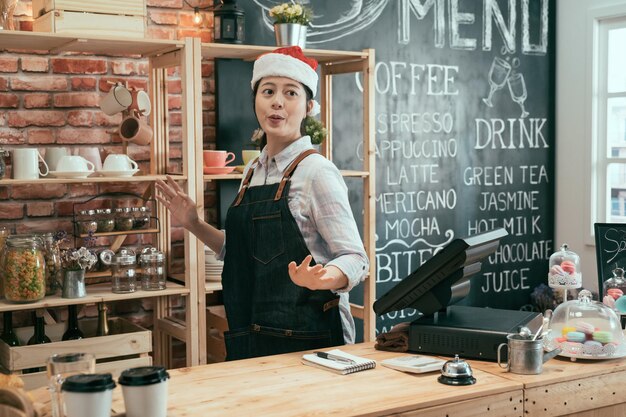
(267, 313)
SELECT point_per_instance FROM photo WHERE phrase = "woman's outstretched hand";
(182, 207)
(311, 277)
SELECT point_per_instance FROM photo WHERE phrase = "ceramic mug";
(92, 154)
(134, 129)
(74, 163)
(26, 164)
(119, 162)
(141, 102)
(116, 100)
(53, 154)
(217, 159)
(249, 155)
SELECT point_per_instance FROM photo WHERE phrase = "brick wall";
(48, 100)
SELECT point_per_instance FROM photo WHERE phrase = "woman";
(291, 248)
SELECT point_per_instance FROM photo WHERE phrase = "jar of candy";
(24, 269)
(52, 256)
(152, 264)
(87, 224)
(123, 219)
(105, 220)
(565, 269)
(141, 217)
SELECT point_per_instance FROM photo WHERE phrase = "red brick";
(34, 64)
(138, 83)
(23, 118)
(174, 102)
(4, 191)
(207, 69)
(172, 72)
(188, 33)
(77, 99)
(11, 136)
(12, 210)
(171, 4)
(174, 87)
(40, 209)
(143, 68)
(83, 136)
(84, 83)
(163, 18)
(4, 84)
(160, 33)
(106, 83)
(38, 191)
(186, 19)
(37, 100)
(39, 83)
(36, 226)
(176, 134)
(81, 190)
(40, 136)
(211, 120)
(82, 118)
(65, 208)
(101, 119)
(208, 103)
(78, 65)
(124, 67)
(26, 25)
(9, 100)
(8, 64)
(212, 86)
(176, 119)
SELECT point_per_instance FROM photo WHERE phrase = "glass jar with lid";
(52, 256)
(105, 220)
(152, 264)
(565, 269)
(141, 217)
(614, 287)
(123, 219)
(586, 329)
(87, 224)
(24, 269)
(123, 269)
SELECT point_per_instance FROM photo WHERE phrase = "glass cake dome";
(586, 329)
(565, 269)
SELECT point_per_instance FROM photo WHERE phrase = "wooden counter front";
(282, 386)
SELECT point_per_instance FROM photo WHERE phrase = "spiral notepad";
(360, 364)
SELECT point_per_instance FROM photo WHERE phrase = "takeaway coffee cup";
(26, 164)
(145, 391)
(116, 100)
(74, 163)
(119, 162)
(53, 155)
(88, 395)
(134, 129)
(217, 159)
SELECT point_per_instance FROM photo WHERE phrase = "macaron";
(603, 336)
(569, 267)
(584, 327)
(615, 293)
(592, 347)
(567, 329)
(576, 337)
(557, 270)
(608, 301)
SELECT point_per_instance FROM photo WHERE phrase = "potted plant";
(74, 263)
(290, 23)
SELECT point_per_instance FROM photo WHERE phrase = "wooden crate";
(90, 24)
(216, 325)
(114, 7)
(125, 341)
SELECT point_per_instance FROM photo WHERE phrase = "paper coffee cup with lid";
(88, 395)
(145, 391)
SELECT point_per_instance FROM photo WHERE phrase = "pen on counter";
(335, 358)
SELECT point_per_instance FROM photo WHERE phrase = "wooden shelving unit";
(89, 180)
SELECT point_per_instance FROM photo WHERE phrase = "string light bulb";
(197, 17)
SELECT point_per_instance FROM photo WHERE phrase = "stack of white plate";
(212, 266)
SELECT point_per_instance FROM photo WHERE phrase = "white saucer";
(70, 174)
(129, 173)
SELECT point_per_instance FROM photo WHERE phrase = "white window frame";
(598, 25)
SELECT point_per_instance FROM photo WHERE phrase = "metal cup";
(525, 356)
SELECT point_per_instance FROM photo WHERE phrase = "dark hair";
(309, 96)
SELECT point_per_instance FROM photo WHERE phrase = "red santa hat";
(288, 62)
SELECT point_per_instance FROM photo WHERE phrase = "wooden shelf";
(122, 233)
(89, 180)
(251, 52)
(95, 294)
(54, 43)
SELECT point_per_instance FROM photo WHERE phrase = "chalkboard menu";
(464, 129)
(610, 250)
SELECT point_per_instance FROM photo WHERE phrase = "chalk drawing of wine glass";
(498, 74)
(517, 88)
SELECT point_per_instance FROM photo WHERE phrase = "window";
(609, 174)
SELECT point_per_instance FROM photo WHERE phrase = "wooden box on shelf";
(113, 7)
(126, 346)
(216, 325)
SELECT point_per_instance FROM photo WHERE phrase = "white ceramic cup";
(92, 154)
(119, 162)
(53, 154)
(141, 102)
(88, 395)
(26, 164)
(116, 100)
(74, 163)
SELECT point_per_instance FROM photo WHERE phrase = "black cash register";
(443, 280)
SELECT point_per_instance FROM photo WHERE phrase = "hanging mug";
(134, 129)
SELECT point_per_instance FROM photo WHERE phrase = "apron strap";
(246, 182)
(289, 171)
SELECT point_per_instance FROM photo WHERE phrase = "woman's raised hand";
(311, 277)
(182, 207)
